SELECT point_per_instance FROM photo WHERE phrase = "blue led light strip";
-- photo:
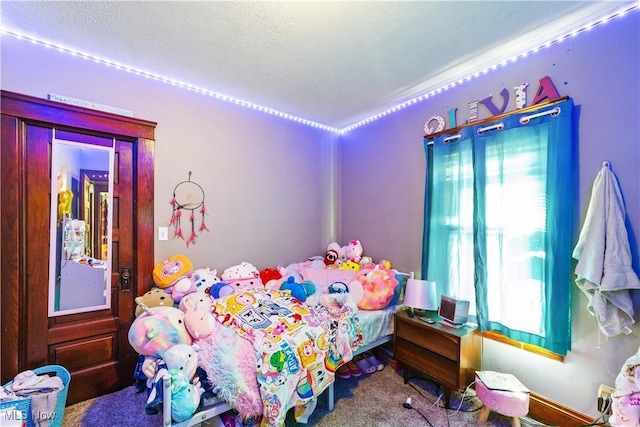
(182, 85)
(448, 86)
(268, 110)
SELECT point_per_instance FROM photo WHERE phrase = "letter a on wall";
(546, 90)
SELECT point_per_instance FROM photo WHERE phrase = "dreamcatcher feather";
(188, 196)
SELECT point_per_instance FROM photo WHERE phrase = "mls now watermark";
(17, 415)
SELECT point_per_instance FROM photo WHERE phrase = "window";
(499, 213)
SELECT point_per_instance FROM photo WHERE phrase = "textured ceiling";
(331, 62)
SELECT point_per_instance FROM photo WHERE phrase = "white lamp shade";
(421, 294)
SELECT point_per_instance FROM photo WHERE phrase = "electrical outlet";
(604, 398)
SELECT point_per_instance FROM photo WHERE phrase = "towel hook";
(606, 164)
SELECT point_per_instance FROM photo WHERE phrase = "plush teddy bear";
(153, 298)
(198, 316)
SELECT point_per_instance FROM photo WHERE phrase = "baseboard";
(552, 413)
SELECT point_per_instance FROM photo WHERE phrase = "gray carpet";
(369, 400)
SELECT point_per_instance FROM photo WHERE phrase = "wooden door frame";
(17, 109)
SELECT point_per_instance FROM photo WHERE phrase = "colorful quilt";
(298, 347)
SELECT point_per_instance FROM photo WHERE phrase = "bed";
(236, 365)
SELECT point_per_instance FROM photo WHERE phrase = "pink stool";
(514, 404)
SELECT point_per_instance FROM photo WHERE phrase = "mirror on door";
(80, 230)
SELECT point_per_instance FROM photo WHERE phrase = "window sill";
(496, 336)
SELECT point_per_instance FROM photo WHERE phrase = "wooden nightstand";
(446, 355)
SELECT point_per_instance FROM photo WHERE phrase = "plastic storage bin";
(23, 406)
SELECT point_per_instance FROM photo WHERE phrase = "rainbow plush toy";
(158, 329)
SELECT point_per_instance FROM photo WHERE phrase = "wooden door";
(93, 346)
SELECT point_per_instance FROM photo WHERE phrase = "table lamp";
(421, 295)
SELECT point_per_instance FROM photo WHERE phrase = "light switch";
(163, 233)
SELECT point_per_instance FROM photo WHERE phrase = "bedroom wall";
(383, 173)
(268, 181)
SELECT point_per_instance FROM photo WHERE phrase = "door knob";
(125, 279)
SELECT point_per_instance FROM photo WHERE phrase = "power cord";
(407, 405)
(440, 396)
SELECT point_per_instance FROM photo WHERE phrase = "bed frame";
(216, 407)
(359, 350)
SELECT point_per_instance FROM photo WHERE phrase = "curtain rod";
(524, 120)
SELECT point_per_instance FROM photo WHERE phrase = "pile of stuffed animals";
(178, 311)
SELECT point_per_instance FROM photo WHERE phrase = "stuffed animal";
(625, 407)
(198, 316)
(182, 287)
(181, 362)
(378, 286)
(185, 397)
(183, 358)
(158, 329)
(153, 298)
(385, 263)
(268, 274)
(220, 290)
(332, 255)
(242, 276)
(171, 270)
(365, 260)
(353, 251)
(300, 291)
(349, 265)
(204, 278)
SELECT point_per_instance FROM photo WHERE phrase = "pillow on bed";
(323, 278)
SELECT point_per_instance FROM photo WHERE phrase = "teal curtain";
(499, 213)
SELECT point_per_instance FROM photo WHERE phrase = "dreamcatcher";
(188, 196)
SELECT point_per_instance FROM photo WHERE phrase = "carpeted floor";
(369, 400)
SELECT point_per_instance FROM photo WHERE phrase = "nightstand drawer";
(441, 369)
(427, 337)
